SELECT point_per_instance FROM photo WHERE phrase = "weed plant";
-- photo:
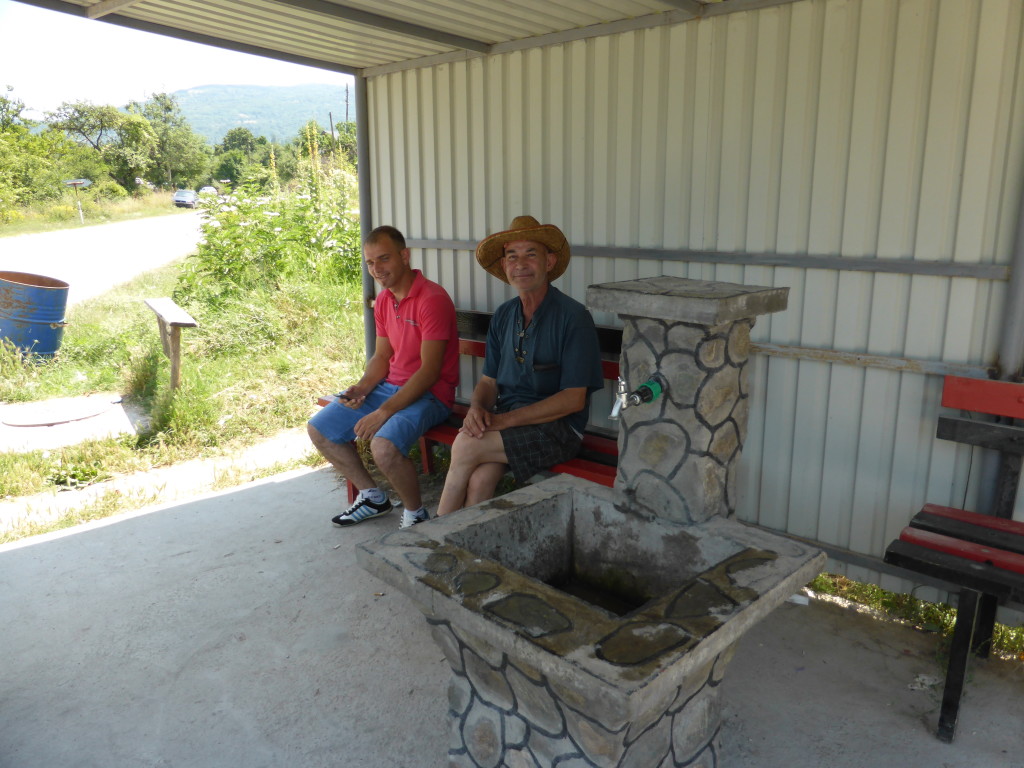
(932, 617)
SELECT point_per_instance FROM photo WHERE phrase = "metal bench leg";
(426, 456)
(963, 634)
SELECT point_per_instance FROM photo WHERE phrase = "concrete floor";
(235, 629)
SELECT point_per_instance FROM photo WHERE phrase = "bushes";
(257, 240)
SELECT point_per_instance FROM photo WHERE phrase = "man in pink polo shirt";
(408, 385)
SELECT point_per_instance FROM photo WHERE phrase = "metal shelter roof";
(361, 36)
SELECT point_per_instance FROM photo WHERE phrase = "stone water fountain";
(591, 626)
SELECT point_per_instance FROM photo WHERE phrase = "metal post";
(1011, 340)
(365, 207)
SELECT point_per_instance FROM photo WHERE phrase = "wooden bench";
(599, 453)
(171, 319)
(981, 554)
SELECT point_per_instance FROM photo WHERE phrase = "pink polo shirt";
(426, 313)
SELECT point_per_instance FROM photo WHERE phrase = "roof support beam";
(693, 6)
(193, 37)
(107, 6)
(386, 22)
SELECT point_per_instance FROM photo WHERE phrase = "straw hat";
(492, 248)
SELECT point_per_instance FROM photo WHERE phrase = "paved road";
(93, 259)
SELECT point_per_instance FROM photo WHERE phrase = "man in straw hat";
(408, 385)
(532, 403)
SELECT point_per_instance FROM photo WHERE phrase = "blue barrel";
(32, 311)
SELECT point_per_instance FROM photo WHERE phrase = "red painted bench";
(599, 454)
(981, 554)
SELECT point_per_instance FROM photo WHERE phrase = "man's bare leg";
(399, 470)
(343, 457)
(483, 482)
(468, 453)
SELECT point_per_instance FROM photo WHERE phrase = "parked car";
(185, 198)
(208, 191)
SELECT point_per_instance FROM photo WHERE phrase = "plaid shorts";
(534, 447)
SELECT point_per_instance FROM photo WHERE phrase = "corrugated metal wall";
(858, 128)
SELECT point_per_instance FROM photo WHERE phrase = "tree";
(231, 165)
(131, 155)
(180, 155)
(10, 112)
(29, 161)
(240, 139)
(347, 142)
(95, 125)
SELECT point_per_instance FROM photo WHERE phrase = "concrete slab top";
(696, 588)
(680, 299)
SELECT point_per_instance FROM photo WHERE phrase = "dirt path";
(94, 259)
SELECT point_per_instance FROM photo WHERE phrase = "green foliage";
(77, 474)
(256, 239)
(92, 124)
(151, 142)
(106, 189)
(240, 140)
(180, 156)
(134, 153)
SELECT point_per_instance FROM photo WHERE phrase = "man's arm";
(551, 408)
(377, 368)
(480, 419)
(481, 405)
(431, 359)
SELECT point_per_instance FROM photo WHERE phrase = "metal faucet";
(621, 398)
(647, 392)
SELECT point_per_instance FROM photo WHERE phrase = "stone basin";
(578, 628)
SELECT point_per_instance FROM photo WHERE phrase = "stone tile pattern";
(678, 455)
(503, 711)
(507, 714)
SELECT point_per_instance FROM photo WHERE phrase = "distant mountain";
(276, 112)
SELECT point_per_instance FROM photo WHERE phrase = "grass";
(247, 373)
(933, 617)
(105, 505)
(64, 214)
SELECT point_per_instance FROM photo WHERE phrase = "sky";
(51, 57)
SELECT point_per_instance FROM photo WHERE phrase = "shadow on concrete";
(236, 630)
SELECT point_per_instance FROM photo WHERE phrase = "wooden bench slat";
(588, 470)
(1003, 585)
(171, 313)
(978, 553)
(999, 398)
(1009, 528)
(1005, 438)
(967, 531)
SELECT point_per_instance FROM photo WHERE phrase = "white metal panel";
(860, 128)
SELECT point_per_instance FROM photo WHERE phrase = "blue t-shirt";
(558, 350)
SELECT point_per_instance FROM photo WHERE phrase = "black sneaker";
(362, 510)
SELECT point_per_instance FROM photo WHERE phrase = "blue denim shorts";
(337, 422)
